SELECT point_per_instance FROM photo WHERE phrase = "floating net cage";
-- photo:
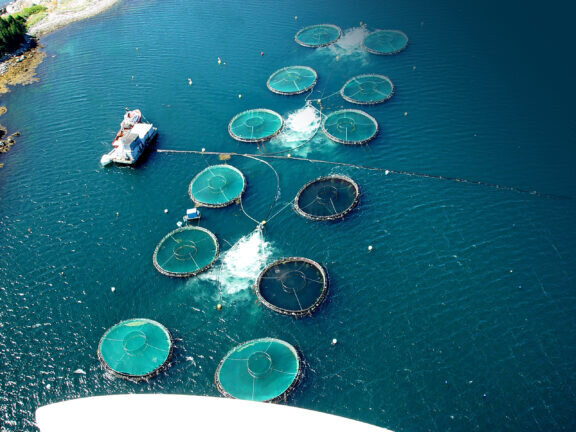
(367, 89)
(318, 35)
(255, 125)
(350, 126)
(259, 370)
(185, 252)
(292, 286)
(327, 198)
(385, 42)
(217, 186)
(135, 349)
(292, 80)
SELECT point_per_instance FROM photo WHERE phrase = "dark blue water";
(462, 315)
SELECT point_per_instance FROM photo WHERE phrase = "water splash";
(349, 46)
(241, 264)
(299, 127)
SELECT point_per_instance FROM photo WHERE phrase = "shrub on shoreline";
(29, 11)
(12, 31)
(13, 27)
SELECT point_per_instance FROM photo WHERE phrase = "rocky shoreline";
(9, 141)
(56, 16)
(19, 68)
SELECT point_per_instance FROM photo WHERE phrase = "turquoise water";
(461, 317)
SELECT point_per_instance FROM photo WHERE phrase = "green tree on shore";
(12, 31)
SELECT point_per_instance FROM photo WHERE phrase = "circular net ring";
(186, 251)
(264, 370)
(383, 37)
(223, 185)
(290, 80)
(260, 125)
(343, 127)
(367, 89)
(293, 282)
(326, 195)
(319, 35)
(135, 349)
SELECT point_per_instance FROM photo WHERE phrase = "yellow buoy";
(218, 306)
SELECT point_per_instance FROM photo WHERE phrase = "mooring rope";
(277, 196)
(384, 170)
(246, 214)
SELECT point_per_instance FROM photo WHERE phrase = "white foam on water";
(299, 127)
(240, 265)
(349, 46)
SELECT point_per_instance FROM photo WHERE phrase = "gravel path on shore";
(68, 12)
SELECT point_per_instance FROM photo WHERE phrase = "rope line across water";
(386, 171)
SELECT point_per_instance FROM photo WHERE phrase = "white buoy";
(239, 96)
(334, 341)
(406, 113)
(203, 149)
(370, 247)
(165, 210)
(112, 289)
(386, 172)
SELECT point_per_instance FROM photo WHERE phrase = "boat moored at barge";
(133, 138)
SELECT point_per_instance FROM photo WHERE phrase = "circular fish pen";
(217, 186)
(327, 198)
(385, 42)
(135, 349)
(350, 126)
(319, 35)
(262, 370)
(185, 252)
(292, 80)
(292, 286)
(255, 125)
(367, 89)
